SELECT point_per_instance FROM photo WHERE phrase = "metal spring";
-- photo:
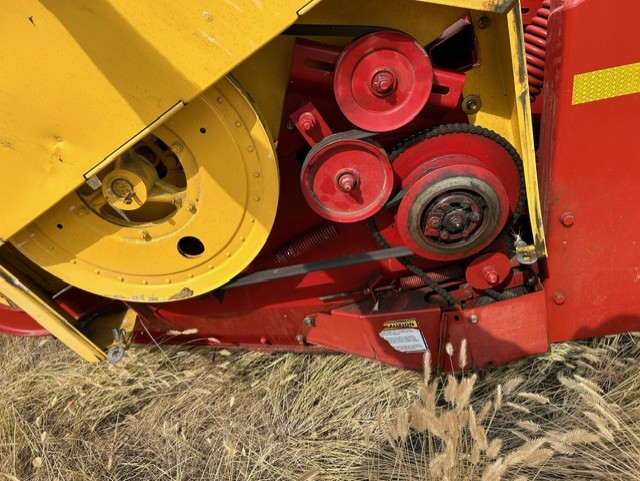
(535, 42)
(441, 276)
(305, 243)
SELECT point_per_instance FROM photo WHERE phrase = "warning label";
(405, 340)
(400, 323)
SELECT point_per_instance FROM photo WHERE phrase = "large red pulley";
(383, 80)
(462, 183)
(346, 179)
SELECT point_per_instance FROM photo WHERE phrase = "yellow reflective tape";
(404, 323)
(606, 83)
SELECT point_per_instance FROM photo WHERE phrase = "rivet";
(238, 124)
(250, 148)
(473, 318)
(256, 197)
(145, 282)
(73, 261)
(96, 271)
(121, 279)
(168, 281)
(256, 174)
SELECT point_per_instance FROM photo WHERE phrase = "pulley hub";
(383, 80)
(346, 179)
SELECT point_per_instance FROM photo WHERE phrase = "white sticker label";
(405, 340)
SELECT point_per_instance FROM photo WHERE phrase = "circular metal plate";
(383, 81)
(345, 179)
(201, 224)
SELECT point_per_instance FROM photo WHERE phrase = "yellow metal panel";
(501, 83)
(79, 79)
(606, 83)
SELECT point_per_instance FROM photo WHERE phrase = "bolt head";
(483, 22)
(473, 318)
(300, 339)
(559, 298)
(309, 321)
(307, 121)
(567, 219)
(435, 222)
(176, 147)
(492, 277)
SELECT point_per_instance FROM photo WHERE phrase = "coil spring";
(305, 243)
(535, 41)
(441, 276)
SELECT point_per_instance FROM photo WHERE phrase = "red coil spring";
(305, 243)
(441, 276)
(535, 42)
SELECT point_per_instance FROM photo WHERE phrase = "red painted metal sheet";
(16, 323)
(589, 166)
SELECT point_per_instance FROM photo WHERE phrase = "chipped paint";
(185, 293)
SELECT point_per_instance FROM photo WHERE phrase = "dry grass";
(190, 415)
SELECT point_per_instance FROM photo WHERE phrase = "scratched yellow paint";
(606, 83)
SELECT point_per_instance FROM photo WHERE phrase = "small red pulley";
(346, 179)
(383, 80)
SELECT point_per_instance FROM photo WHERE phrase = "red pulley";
(462, 183)
(345, 179)
(383, 80)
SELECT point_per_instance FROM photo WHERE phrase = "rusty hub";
(453, 216)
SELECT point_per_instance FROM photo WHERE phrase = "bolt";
(435, 222)
(347, 182)
(190, 206)
(473, 318)
(444, 235)
(263, 340)
(176, 147)
(290, 125)
(300, 339)
(491, 276)
(474, 217)
(559, 298)
(567, 219)
(383, 83)
(309, 321)
(143, 235)
(81, 211)
(456, 222)
(483, 22)
(471, 104)
(307, 121)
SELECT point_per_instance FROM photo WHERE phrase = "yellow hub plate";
(184, 240)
